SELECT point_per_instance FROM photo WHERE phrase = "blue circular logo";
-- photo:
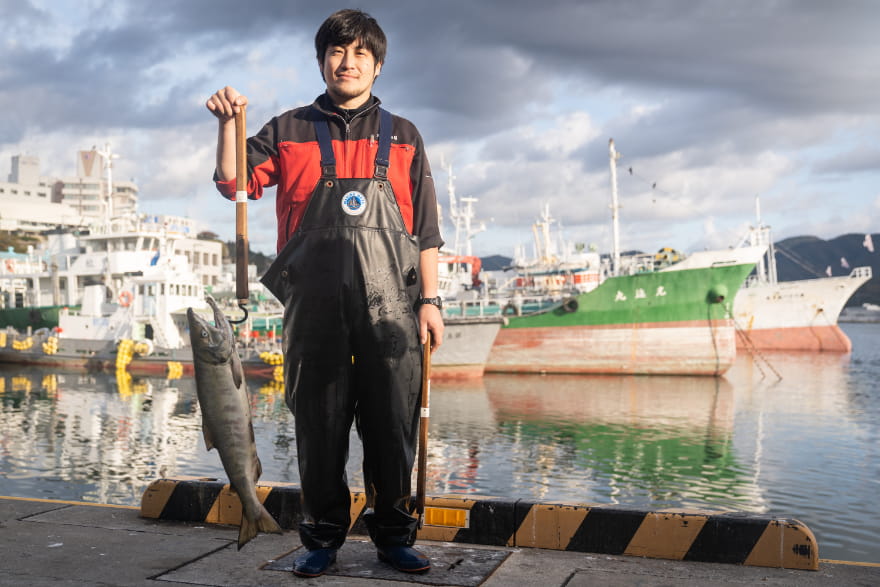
(354, 203)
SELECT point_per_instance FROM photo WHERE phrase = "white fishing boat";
(557, 268)
(34, 287)
(137, 328)
(797, 315)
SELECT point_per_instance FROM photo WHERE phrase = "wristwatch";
(438, 301)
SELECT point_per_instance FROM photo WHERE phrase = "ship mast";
(462, 216)
(761, 237)
(107, 158)
(613, 156)
(544, 249)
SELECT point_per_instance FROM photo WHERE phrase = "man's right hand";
(224, 103)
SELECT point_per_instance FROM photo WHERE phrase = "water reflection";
(658, 441)
(73, 436)
(642, 441)
(661, 441)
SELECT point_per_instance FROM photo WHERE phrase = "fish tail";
(266, 523)
(263, 523)
(246, 532)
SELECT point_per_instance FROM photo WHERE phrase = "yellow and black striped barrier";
(734, 538)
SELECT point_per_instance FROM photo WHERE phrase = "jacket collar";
(325, 105)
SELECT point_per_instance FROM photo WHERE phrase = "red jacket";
(286, 153)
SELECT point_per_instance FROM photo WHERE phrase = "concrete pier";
(70, 543)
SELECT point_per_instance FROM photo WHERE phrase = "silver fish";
(226, 416)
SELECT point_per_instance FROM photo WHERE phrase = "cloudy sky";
(710, 103)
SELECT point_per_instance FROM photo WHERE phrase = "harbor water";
(793, 435)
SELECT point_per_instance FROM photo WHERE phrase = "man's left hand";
(431, 319)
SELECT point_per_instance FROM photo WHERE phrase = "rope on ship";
(743, 335)
(841, 338)
(714, 339)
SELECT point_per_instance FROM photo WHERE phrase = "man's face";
(349, 72)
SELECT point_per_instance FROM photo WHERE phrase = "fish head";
(210, 343)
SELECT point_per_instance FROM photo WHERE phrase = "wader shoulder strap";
(322, 132)
(383, 155)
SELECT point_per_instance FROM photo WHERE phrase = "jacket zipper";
(342, 168)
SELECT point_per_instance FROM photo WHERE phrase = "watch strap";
(435, 301)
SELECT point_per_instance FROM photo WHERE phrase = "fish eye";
(204, 333)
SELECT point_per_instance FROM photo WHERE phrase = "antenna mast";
(461, 216)
(613, 156)
(107, 157)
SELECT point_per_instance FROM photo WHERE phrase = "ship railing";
(477, 307)
(631, 264)
(861, 272)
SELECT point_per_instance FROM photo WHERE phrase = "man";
(357, 238)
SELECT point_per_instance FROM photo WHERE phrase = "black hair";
(346, 26)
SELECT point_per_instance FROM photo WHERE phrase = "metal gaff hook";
(243, 318)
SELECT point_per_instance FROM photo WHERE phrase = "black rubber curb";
(733, 538)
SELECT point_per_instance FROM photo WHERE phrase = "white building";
(31, 202)
(87, 191)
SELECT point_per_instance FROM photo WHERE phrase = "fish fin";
(206, 432)
(246, 531)
(249, 529)
(266, 523)
(258, 469)
(237, 373)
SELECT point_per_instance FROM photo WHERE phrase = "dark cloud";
(680, 85)
(477, 66)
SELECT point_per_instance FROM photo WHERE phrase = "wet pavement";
(64, 543)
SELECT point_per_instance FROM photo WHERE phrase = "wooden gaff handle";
(423, 430)
(241, 235)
